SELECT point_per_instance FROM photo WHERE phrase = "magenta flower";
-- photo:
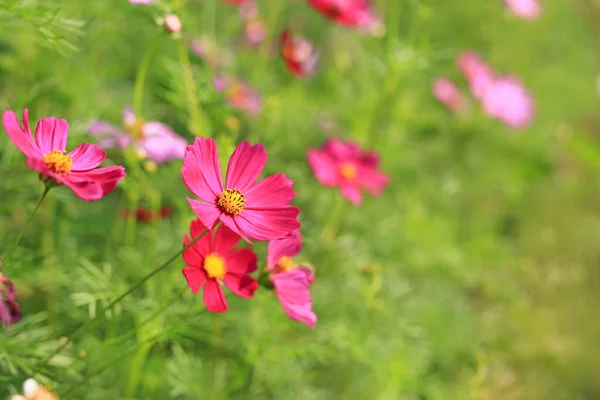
(351, 13)
(47, 155)
(259, 211)
(298, 54)
(238, 94)
(345, 165)
(153, 139)
(527, 9)
(509, 101)
(478, 72)
(449, 95)
(290, 280)
(10, 313)
(212, 259)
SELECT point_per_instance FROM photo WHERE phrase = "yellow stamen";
(135, 128)
(231, 202)
(215, 266)
(59, 162)
(284, 264)
(348, 171)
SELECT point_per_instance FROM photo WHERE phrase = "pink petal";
(87, 156)
(289, 246)
(87, 190)
(161, 143)
(207, 213)
(268, 224)
(19, 136)
(231, 223)
(195, 278)
(110, 135)
(370, 159)
(342, 151)
(214, 298)
(243, 286)
(40, 166)
(201, 172)
(351, 192)
(51, 134)
(373, 181)
(324, 168)
(245, 166)
(292, 289)
(241, 262)
(225, 240)
(106, 178)
(276, 190)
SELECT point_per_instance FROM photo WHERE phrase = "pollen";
(59, 162)
(285, 264)
(348, 171)
(215, 266)
(231, 202)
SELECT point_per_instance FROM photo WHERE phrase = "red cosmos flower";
(213, 259)
(353, 13)
(298, 54)
(48, 157)
(291, 281)
(259, 211)
(143, 214)
(344, 164)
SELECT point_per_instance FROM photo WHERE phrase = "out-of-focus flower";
(10, 312)
(527, 9)
(255, 31)
(34, 391)
(478, 72)
(212, 259)
(449, 95)
(298, 54)
(347, 166)
(352, 13)
(509, 101)
(206, 48)
(47, 155)
(141, 1)
(143, 214)
(153, 139)
(291, 281)
(259, 211)
(238, 94)
(173, 23)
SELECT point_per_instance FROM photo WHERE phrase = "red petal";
(225, 240)
(195, 278)
(243, 286)
(213, 296)
(242, 261)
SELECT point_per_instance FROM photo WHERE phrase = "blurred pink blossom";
(478, 72)
(238, 94)
(527, 9)
(351, 13)
(141, 1)
(448, 94)
(509, 101)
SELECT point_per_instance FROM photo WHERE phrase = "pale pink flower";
(478, 72)
(206, 48)
(527, 9)
(141, 1)
(509, 101)
(173, 23)
(290, 280)
(153, 139)
(347, 166)
(298, 54)
(449, 95)
(238, 94)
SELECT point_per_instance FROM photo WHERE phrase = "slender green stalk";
(193, 104)
(25, 225)
(332, 225)
(140, 78)
(84, 327)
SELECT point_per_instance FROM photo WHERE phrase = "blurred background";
(475, 275)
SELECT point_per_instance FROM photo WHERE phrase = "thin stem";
(83, 328)
(25, 225)
(335, 218)
(140, 78)
(193, 105)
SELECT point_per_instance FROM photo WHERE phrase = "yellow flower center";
(215, 267)
(135, 128)
(348, 170)
(231, 202)
(284, 264)
(59, 162)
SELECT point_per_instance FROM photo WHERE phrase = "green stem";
(83, 328)
(140, 78)
(333, 223)
(25, 225)
(193, 104)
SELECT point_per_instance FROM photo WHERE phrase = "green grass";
(474, 277)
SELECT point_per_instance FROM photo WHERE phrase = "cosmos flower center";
(285, 264)
(135, 127)
(59, 162)
(348, 171)
(215, 267)
(231, 202)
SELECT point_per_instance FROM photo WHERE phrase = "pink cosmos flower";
(449, 95)
(10, 313)
(527, 9)
(212, 259)
(255, 31)
(352, 13)
(298, 54)
(478, 72)
(153, 139)
(344, 164)
(48, 157)
(141, 1)
(509, 101)
(207, 50)
(238, 94)
(290, 280)
(259, 211)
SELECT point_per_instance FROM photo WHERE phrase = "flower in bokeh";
(10, 312)
(34, 391)
(298, 54)
(291, 281)
(352, 13)
(206, 49)
(347, 166)
(143, 214)
(259, 211)
(478, 72)
(141, 1)
(255, 31)
(238, 94)
(173, 23)
(527, 9)
(47, 155)
(212, 259)
(449, 95)
(153, 139)
(509, 101)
